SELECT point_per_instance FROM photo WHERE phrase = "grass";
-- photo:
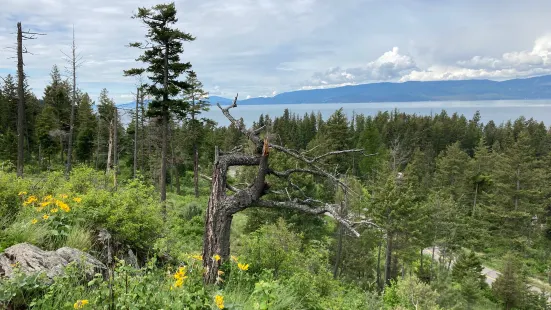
(79, 238)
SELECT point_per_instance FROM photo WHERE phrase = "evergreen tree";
(510, 286)
(86, 130)
(196, 97)
(162, 56)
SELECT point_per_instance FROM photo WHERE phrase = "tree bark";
(339, 252)
(73, 103)
(135, 170)
(115, 147)
(110, 147)
(388, 259)
(20, 103)
(379, 286)
(196, 169)
(475, 196)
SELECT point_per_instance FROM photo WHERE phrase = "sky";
(266, 47)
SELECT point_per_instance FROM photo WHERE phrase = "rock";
(32, 259)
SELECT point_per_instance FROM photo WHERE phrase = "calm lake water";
(497, 110)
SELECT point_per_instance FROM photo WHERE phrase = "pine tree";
(510, 286)
(162, 56)
(196, 97)
(86, 130)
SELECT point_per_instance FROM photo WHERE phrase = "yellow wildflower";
(34, 221)
(30, 200)
(49, 197)
(180, 276)
(216, 257)
(77, 199)
(44, 204)
(80, 304)
(63, 196)
(197, 257)
(219, 300)
(243, 267)
(220, 272)
(63, 206)
(54, 210)
(22, 193)
(45, 216)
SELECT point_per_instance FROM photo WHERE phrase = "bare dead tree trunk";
(195, 154)
(475, 196)
(135, 171)
(339, 238)
(98, 141)
(221, 206)
(115, 146)
(196, 169)
(73, 103)
(20, 103)
(379, 286)
(388, 259)
(110, 146)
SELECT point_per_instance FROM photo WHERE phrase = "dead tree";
(21, 36)
(75, 62)
(222, 206)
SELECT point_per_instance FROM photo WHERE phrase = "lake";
(497, 110)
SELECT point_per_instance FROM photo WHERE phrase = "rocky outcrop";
(31, 259)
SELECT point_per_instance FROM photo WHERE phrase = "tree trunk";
(421, 265)
(475, 196)
(339, 252)
(135, 170)
(73, 103)
(196, 169)
(379, 286)
(20, 103)
(110, 147)
(518, 189)
(216, 240)
(388, 259)
(115, 148)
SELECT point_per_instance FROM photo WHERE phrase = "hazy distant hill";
(467, 90)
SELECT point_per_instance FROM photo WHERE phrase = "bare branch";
(287, 173)
(228, 186)
(294, 205)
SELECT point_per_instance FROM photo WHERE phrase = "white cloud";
(510, 65)
(388, 67)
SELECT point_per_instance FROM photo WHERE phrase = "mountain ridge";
(412, 91)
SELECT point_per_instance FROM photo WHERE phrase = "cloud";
(510, 65)
(252, 47)
(388, 67)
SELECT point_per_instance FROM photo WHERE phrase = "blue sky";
(265, 47)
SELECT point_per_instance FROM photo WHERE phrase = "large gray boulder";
(32, 259)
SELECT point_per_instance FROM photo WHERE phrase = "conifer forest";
(171, 210)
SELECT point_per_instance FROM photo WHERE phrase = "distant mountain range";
(466, 90)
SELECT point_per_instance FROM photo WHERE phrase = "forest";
(173, 211)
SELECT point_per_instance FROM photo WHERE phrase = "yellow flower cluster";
(243, 267)
(50, 203)
(180, 276)
(80, 304)
(219, 301)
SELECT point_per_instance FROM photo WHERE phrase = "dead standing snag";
(222, 206)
